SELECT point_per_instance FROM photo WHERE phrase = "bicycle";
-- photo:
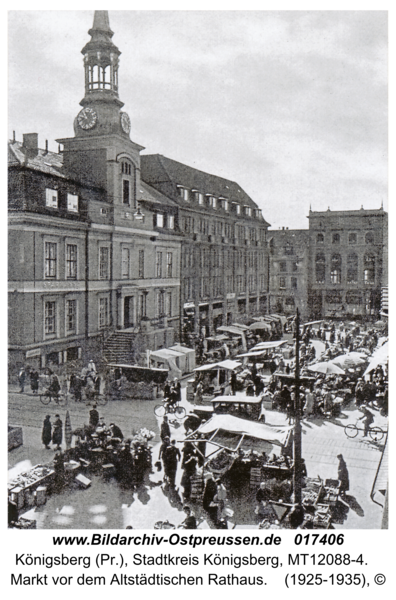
(59, 399)
(170, 409)
(375, 433)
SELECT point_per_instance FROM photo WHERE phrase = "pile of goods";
(143, 436)
(30, 477)
(331, 492)
(221, 462)
(311, 492)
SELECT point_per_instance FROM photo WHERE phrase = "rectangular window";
(282, 283)
(125, 263)
(141, 264)
(158, 265)
(71, 316)
(71, 261)
(200, 198)
(283, 266)
(50, 260)
(169, 304)
(103, 312)
(160, 220)
(103, 263)
(51, 198)
(169, 265)
(294, 266)
(240, 284)
(50, 318)
(125, 191)
(171, 222)
(294, 283)
(142, 305)
(72, 203)
(160, 304)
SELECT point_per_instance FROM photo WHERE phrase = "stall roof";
(237, 426)
(256, 353)
(230, 329)
(260, 325)
(282, 318)
(242, 327)
(217, 338)
(181, 349)
(238, 399)
(166, 353)
(225, 364)
(136, 367)
(268, 345)
(312, 323)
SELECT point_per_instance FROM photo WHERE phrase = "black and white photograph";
(198, 270)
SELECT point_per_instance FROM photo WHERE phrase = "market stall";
(132, 381)
(245, 407)
(214, 379)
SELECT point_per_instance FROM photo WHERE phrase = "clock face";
(125, 122)
(87, 118)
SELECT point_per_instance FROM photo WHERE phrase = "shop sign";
(31, 353)
(231, 296)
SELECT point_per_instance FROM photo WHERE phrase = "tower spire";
(101, 22)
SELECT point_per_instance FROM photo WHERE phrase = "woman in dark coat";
(46, 433)
(343, 475)
(57, 433)
(34, 381)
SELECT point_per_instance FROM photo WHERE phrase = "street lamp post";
(297, 422)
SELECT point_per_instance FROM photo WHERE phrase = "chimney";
(30, 142)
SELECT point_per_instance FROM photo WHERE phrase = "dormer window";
(51, 198)
(247, 211)
(183, 192)
(72, 203)
(160, 220)
(224, 203)
(199, 197)
(257, 213)
(212, 201)
(237, 208)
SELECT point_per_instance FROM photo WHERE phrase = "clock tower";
(101, 148)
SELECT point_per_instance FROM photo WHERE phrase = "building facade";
(93, 249)
(347, 268)
(224, 269)
(289, 261)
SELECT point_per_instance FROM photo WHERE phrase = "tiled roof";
(347, 213)
(146, 193)
(43, 161)
(157, 169)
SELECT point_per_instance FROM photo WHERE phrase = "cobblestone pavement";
(106, 506)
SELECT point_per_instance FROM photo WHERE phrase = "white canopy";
(224, 364)
(274, 435)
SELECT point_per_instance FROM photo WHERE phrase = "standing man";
(343, 475)
(172, 457)
(165, 429)
(57, 432)
(21, 379)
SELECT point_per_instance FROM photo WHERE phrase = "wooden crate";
(197, 487)
(41, 495)
(18, 496)
(83, 481)
(255, 477)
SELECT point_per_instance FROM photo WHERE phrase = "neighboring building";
(347, 262)
(289, 260)
(224, 271)
(92, 248)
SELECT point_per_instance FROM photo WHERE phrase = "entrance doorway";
(129, 310)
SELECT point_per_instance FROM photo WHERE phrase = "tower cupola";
(101, 62)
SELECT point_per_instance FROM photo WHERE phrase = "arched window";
(369, 269)
(320, 268)
(320, 238)
(335, 269)
(369, 238)
(352, 238)
(352, 268)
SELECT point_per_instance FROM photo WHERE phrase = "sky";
(291, 105)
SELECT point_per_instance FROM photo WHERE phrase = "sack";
(158, 465)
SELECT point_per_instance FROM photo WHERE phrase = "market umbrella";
(327, 368)
(260, 325)
(352, 359)
(68, 430)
